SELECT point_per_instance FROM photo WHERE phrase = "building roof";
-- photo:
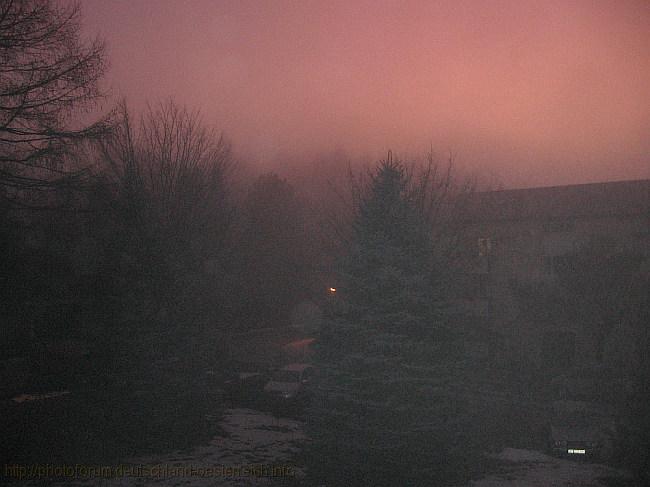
(616, 198)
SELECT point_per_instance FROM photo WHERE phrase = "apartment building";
(516, 240)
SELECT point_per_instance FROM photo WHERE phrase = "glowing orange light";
(332, 290)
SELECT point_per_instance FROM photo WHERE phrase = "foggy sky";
(536, 92)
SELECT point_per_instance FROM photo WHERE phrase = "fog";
(309, 243)
(540, 93)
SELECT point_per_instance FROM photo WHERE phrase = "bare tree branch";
(47, 74)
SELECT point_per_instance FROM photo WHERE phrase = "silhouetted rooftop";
(616, 198)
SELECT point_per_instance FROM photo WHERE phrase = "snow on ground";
(528, 468)
(256, 443)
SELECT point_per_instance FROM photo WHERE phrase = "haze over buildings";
(538, 93)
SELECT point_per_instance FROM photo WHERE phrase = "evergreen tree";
(370, 421)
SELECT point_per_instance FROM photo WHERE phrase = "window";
(484, 246)
(483, 285)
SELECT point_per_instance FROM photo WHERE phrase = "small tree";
(47, 74)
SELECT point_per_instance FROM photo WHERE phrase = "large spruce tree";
(371, 421)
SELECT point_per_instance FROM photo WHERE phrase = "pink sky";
(536, 92)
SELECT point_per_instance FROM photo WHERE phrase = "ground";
(258, 440)
(254, 440)
(256, 448)
(529, 468)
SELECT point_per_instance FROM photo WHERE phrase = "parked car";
(287, 385)
(581, 429)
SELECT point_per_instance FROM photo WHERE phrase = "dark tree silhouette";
(371, 421)
(47, 74)
(166, 188)
(275, 266)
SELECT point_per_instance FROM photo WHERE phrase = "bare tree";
(47, 74)
(166, 192)
(171, 170)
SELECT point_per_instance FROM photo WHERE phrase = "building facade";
(518, 244)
